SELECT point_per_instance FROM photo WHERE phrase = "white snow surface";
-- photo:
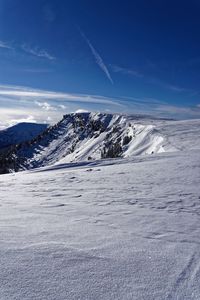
(109, 229)
(113, 229)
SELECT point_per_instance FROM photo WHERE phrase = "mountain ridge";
(93, 136)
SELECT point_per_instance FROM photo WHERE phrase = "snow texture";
(105, 229)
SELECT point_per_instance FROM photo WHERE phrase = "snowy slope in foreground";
(111, 229)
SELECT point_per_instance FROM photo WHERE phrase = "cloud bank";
(19, 104)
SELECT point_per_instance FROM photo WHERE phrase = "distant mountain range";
(92, 136)
(20, 133)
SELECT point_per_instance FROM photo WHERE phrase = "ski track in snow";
(111, 229)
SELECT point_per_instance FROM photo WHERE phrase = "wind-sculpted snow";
(107, 229)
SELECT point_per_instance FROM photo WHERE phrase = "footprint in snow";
(132, 202)
(90, 170)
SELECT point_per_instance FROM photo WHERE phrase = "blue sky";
(121, 56)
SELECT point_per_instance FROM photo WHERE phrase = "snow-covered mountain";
(20, 133)
(92, 136)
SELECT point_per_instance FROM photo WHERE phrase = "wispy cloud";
(145, 100)
(28, 93)
(62, 106)
(97, 57)
(5, 45)
(179, 111)
(29, 70)
(45, 105)
(80, 110)
(18, 103)
(36, 51)
(24, 118)
(23, 103)
(10, 117)
(168, 86)
(151, 79)
(125, 71)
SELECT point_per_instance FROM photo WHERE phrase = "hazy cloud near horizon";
(23, 104)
